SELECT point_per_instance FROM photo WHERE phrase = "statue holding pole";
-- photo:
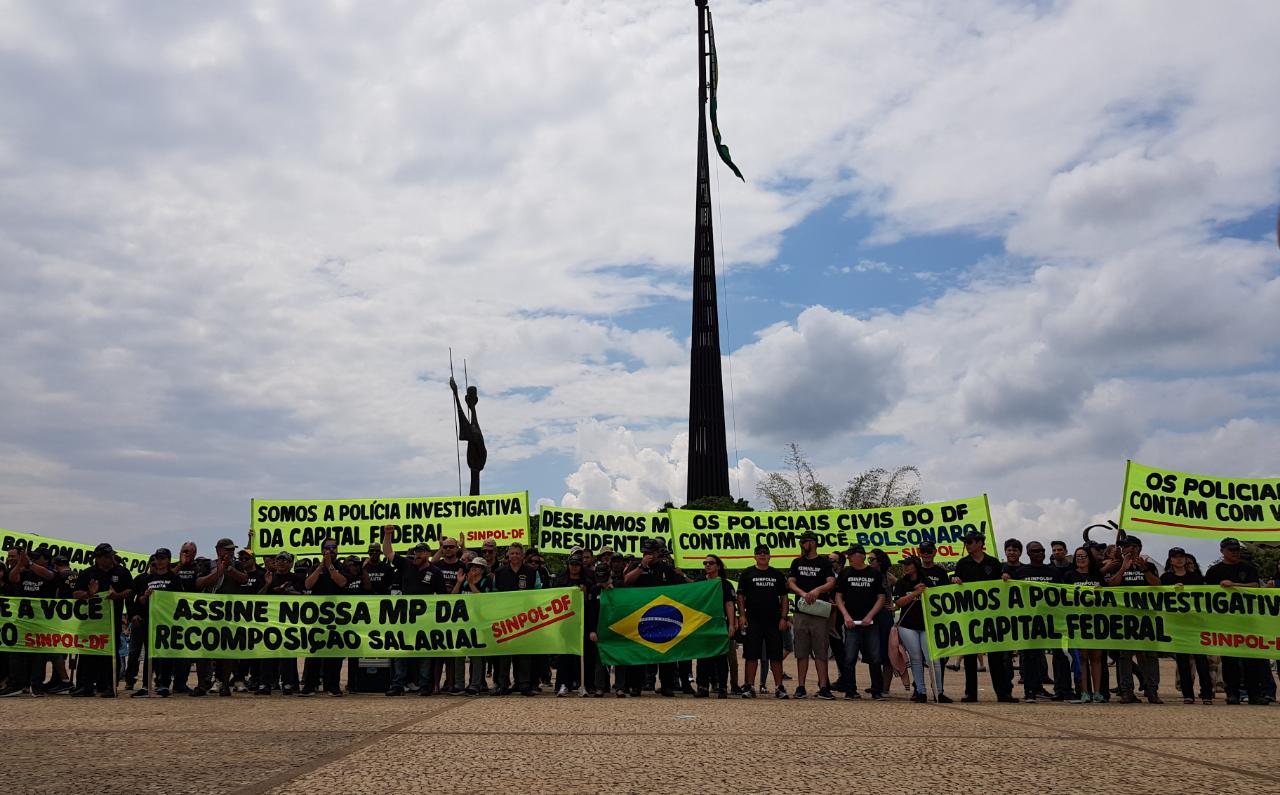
(469, 432)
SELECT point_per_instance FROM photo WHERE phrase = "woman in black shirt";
(1085, 571)
(713, 672)
(908, 595)
(1178, 571)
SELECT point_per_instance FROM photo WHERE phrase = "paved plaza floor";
(370, 744)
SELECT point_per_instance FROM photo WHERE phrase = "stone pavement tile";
(1123, 721)
(1255, 756)
(562, 765)
(647, 715)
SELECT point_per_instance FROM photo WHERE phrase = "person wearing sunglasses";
(713, 672)
(447, 559)
(415, 575)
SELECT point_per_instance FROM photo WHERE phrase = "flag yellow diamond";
(660, 624)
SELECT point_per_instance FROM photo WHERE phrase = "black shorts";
(764, 639)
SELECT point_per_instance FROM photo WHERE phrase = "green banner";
(1199, 506)
(79, 555)
(298, 526)
(563, 529)
(1195, 619)
(665, 624)
(733, 535)
(56, 626)
(217, 626)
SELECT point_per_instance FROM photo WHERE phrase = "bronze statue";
(469, 432)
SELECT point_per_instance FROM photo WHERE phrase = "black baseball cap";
(1131, 541)
(41, 551)
(423, 547)
(103, 549)
(163, 552)
(62, 560)
(1177, 551)
(913, 560)
(928, 546)
(225, 543)
(808, 535)
(856, 549)
(1230, 543)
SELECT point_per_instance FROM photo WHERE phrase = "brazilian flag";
(664, 624)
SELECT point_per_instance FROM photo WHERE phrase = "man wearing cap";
(651, 571)
(256, 581)
(859, 597)
(1135, 571)
(569, 667)
(162, 577)
(764, 613)
(415, 575)
(1034, 669)
(514, 575)
(223, 578)
(812, 580)
(326, 578)
(105, 579)
(282, 670)
(379, 571)
(1239, 673)
(978, 566)
(30, 577)
(477, 579)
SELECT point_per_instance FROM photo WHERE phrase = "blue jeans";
(400, 671)
(915, 642)
(867, 640)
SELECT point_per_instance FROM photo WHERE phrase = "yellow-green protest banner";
(564, 529)
(298, 526)
(1200, 506)
(230, 626)
(975, 618)
(733, 535)
(80, 556)
(56, 626)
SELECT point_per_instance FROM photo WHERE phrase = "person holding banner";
(1085, 571)
(477, 580)
(162, 577)
(1178, 572)
(1239, 673)
(414, 576)
(1133, 571)
(30, 577)
(105, 579)
(978, 566)
(908, 593)
(452, 569)
(282, 671)
(514, 575)
(325, 579)
(812, 581)
(569, 666)
(1034, 669)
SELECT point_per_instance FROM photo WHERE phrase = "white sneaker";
(563, 691)
(411, 687)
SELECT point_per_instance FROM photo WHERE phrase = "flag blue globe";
(661, 623)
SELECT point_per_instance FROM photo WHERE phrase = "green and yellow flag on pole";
(722, 148)
(664, 624)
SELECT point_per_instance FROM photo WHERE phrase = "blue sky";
(1012, 244)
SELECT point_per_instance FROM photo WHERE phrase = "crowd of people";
(840, 607)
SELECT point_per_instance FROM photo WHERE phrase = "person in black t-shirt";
(812, 580)
(30, 577)
(451, 568)
(1012, 557)
(108, 580)
(379, 571)
(764, 609)
(1032, 661)
(978, 566)
(326, 579)
(909, 597)
(415, 575)
(651, 570)
(514, 575)
(859, 598)
(281, 671)
(162, 577)
(713, 672)
(569, 667)
(1239, 673)
(1135, 571)
(1093, 685)
(1178, 573)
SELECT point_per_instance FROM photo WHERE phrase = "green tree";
(798, 488)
